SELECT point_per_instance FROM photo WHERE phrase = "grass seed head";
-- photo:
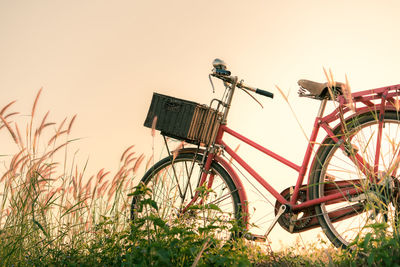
(10, 130)
(347, 95)
(71, 123)
(153, 126)
(6, 107)
(125, 152)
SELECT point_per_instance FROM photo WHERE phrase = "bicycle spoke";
(377, 147)
(189, 175)
(169, 178)
(220, 199)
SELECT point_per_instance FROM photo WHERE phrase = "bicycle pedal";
(255, 238)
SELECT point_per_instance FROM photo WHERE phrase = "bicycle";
(352, 180)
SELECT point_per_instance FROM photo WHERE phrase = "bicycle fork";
(203, 181)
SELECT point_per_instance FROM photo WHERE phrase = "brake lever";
(255, 99)
(212, 84)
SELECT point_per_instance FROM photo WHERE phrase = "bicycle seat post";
(322, 108)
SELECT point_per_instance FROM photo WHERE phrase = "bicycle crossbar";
(259, 179)
(261, 148)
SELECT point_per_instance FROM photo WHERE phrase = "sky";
(102, 60)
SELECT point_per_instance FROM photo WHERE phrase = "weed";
(53, 214)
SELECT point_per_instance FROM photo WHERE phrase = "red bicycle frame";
(375, 100)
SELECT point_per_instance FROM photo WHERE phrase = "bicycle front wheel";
(175, 188)
(335, 170)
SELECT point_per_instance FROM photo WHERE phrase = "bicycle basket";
(183, 120)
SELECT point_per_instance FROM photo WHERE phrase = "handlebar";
(221, 72)
(256, 90)
(224, 75)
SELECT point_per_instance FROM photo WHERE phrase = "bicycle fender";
(238, 183)
(235, 178)
(359, 112)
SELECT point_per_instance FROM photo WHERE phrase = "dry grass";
(48, 205)
(44, 203)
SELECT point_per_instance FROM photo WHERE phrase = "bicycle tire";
(165, 191)
(331, 165)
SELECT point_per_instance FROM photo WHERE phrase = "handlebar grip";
(264, 93)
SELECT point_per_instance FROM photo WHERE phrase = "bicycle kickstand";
(281, 211)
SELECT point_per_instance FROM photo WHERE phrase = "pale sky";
(103, 60)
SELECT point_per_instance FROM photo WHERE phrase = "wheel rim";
(174, 186)
(379, 205)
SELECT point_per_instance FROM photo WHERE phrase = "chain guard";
(306, 219)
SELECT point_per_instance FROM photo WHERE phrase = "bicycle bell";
(219, 64)
(220, 68)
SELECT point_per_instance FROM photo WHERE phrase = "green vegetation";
(53, 214)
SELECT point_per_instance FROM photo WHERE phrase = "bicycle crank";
(282, 210)
(299, 220)
(263, 238)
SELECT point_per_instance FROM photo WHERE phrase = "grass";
(53, 214)
(47, 206)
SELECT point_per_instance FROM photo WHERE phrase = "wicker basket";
(183, 119)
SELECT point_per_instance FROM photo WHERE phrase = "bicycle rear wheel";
(334, 171)
(174, 184)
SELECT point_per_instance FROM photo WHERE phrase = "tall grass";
(52, 213)
(45, 204)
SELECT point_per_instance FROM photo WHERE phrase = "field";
(52, 213)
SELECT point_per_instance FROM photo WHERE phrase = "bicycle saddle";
(318, 90)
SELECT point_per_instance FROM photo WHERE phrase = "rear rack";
(367, 96)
